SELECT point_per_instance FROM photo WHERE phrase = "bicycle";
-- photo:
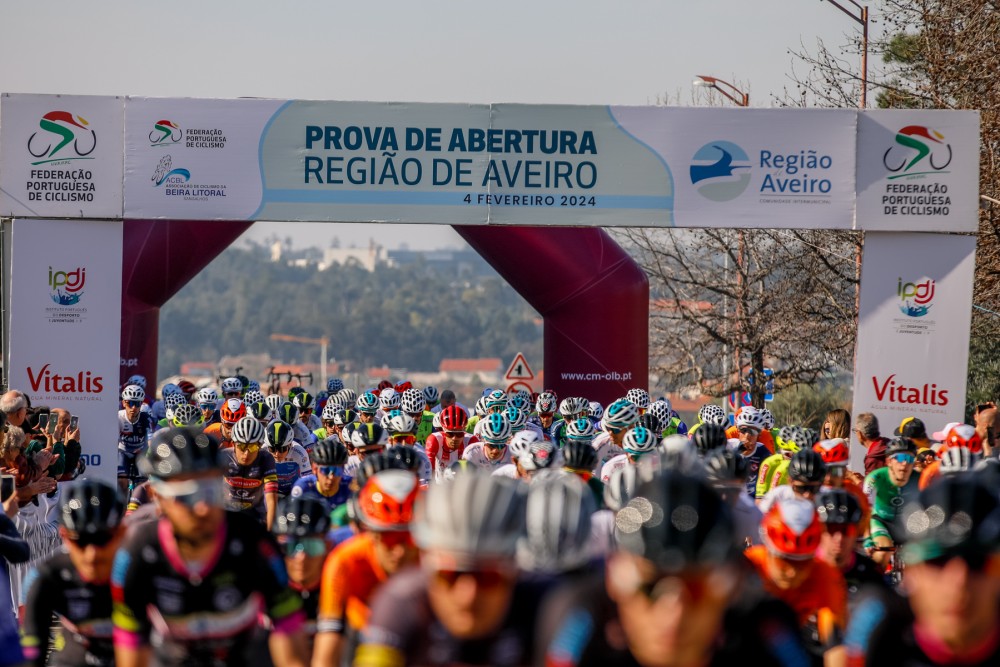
(894, 572)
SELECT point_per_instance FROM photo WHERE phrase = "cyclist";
(171, 402)
(669, 420)
(367, 439)
(557, 539)
(773, 470)
(638, 441)
(492, 451)
(806, 472)
(251, 474)
(758, 420)
(545, 411)
(580, 458)
(727, 472)
(188, 588)
(187, 415)
(464, 605)
(451, 440)
(231, 412)
(306, 404)
(951, 612)
(208, 403)
(750, 448)
(291, 461)
(74, 584)
(328, 482)
(674, 593)
(414, 404)
(841, 514)
(960, 437)
(710, 413)
(888, 490)
(360, 566)
(618, 418)
(134, 429)
(836, 455)
(570, 409)
(432, 398)
(786, 562)
(367, 407)
(232, 387)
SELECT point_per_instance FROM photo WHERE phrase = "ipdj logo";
(165, 171)
(918, 151)
(720, 171)
(68, 130)
(165, 133)
(67, 286)
(915, 298)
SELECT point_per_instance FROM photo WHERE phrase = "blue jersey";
(753, 467)
(306, 488)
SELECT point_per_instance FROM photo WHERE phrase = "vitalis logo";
(893, 392)
(67, 286)
(165, 133)
(62, 130)
(44, 380)
(720, 170)
(918, 143)
(915, 297)
(165, 171)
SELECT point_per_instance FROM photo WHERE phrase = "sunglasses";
(454, 434)
(394, 538)
(233, 394)
(207, 406)
(247, 446)
(496, 445)
(746, 430)
(903, 458)
(403, 439)
(330, 424)
(805, 488)
(485, 579)
(331, 471)
(310, 546)
(98, 539)
(133, 404)
(280, 449)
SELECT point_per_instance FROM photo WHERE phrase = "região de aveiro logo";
(165, 133)
(67, 286)
(62, 136)
(165, 173)
(720, 171)
(915, 298)
(918, 151)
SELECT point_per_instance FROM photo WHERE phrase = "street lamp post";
(735, 95)
(862, 19)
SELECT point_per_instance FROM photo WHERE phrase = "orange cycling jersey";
(216, 430)
(823, 588)
(930, 472)
(764, 437)
(351, 575)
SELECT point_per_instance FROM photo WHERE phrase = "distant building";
(464, 371)
(368, 258)
(459, 261)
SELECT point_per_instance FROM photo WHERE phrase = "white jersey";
(747, 518)
(315, 423)
(509, 471)
(776, 494)
(602, 534)
(425, 464)
(617, 463)
(606, 450)
(536, 429)
(353, 463)
(303, 435)
(476, 455)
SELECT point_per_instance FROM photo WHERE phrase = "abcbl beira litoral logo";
(164, 133)
(720, 171)
(918, 151)
(166, 173)
(63, 136)
(67, 286)
(915, 298)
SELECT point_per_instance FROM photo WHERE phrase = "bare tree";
(728, 303)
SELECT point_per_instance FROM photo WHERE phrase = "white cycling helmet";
(248, 430)
(521, 443)
(231, 386)
(389, 399)
(398, 422)
(133, 392)
(639, 397)
(751, 417)
(412, 402)
(207, 395)
(710, 413)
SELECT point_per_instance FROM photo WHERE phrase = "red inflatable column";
(160, 257)
(593, 297)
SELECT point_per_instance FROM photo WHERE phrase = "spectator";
(14, 405)
(866, 428)
(13, 550)
(988, 427)
(837, 425)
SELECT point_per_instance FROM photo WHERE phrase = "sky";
(537, 52)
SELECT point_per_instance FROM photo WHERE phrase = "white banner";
(918, 170)
(61, 156)
(66, 292)
(913, 329)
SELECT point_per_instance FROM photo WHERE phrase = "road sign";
(519, 369)
(744, 400)
(768, 383)
(518, 386)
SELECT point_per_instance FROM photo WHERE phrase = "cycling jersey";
(247, 484)
(470, 426)
(617, 463)
(440, 455)
(215, 430)
(306, 487)
(773, 472)
(204, 614)
(887, 500)
(580, 627)
(351, 575)
(674, 427)
(83, 635)
(783, 492)
(862, 573)
(754, 461)
(509, 471)
(823, 588)
(312, 422)
(295, 465)
(606, 450)
(304, 435)
(475, 454)
(425, 426)
(930, 473)
(763, 438)
(402, 629)
(134, 436)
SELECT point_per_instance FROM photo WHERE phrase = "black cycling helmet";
(91, 507)
(329, 452)
(259, 410)
(345, 417)
(811, 437)
(302, 517)
(651, 422)
(709, 437)
(278, 436)
(376, 463)
(723, 465)
(245, 381)
(900, 446)
(837, 506)
(807, 466)
(579, 455)
(954, 516)
(286, 412)
(407, 455)
(179, 451)
(699, 532)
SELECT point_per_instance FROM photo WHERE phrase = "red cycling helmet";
(403, 386)
(791, 529)
(963, 435)
(187, 388)
(385, 502)
(833, 451)
(384, 384)
(454, 418)
(232, 411)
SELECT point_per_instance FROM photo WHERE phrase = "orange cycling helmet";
(833, 451)
(963, 435)
(454, 418)
(791, 529)
(232, 411)
(385, 502)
